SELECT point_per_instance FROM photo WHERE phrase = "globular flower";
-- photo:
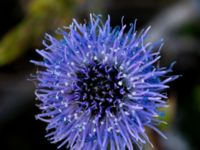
(100, 87)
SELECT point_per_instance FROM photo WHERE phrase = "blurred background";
(22, 27)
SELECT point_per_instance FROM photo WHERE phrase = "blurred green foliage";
(42, 16)
(197, 98)
(168, 113)
(190, 29)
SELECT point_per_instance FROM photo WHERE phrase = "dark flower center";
(100, 88)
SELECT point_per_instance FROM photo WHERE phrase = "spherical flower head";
(100, 87)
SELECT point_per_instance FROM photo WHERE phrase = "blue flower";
(98, 87)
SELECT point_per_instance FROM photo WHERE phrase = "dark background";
(22, 27)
